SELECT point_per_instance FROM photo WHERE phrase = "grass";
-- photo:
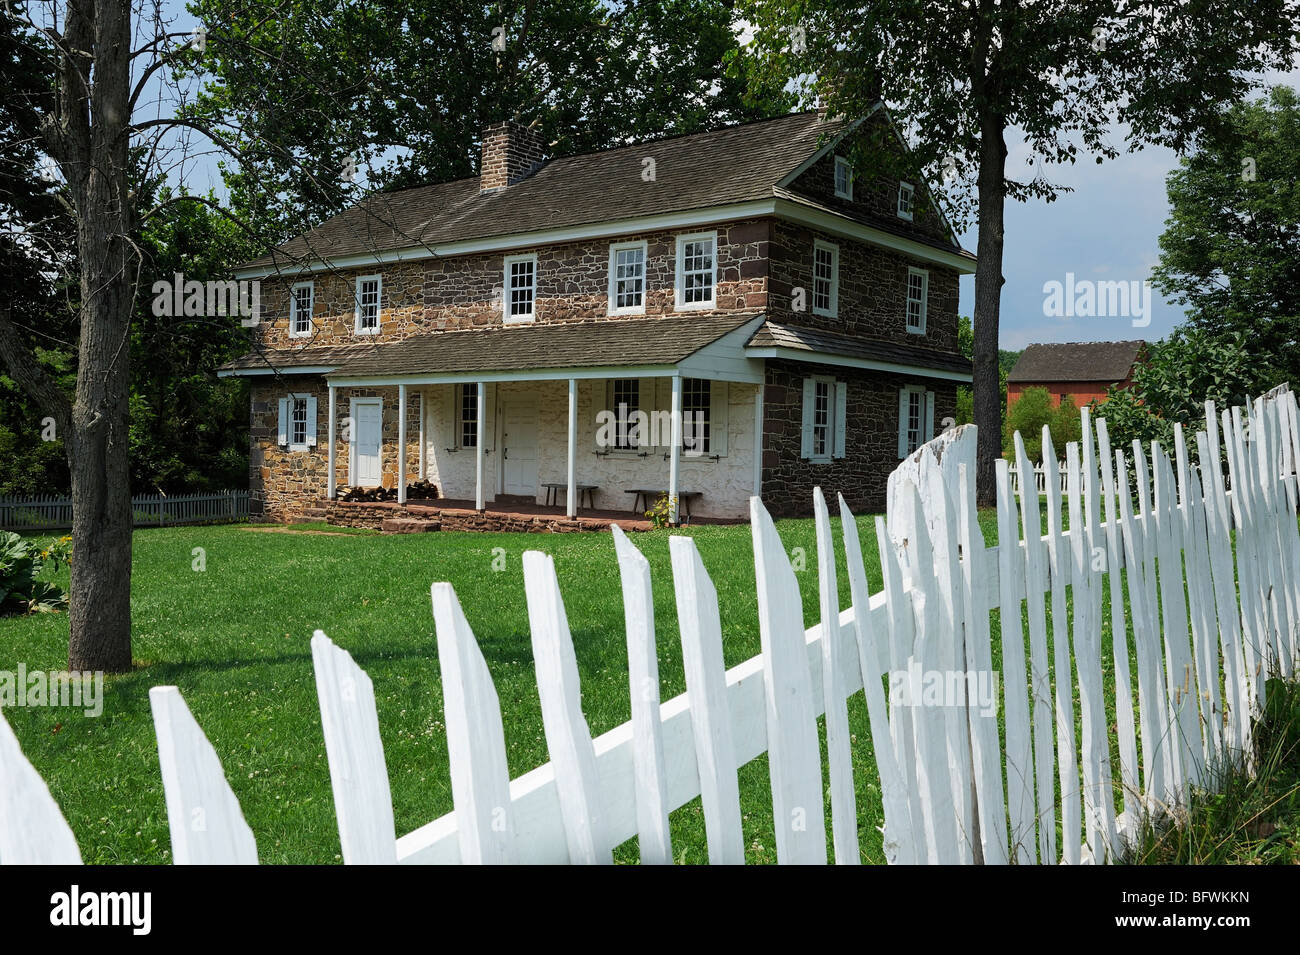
(1249, 819)
(235, 638)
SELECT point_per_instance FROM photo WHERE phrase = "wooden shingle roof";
(1076, 361)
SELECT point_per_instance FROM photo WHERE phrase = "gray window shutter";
(311, 422)
(717, 417)
(841, 417)
(284, 421)
(902, 422)
(809, 409)
(929, 415)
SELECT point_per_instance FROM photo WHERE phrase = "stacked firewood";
(419, 491)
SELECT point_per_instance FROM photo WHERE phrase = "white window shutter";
(841, 416)
(809, 409)
(598, 391)
(718, 417)
(490, 417)
(647, 397)
(902, 422)
(451, 413)
(311, 422)
(284, 421)
(929, 415)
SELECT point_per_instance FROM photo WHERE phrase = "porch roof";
(800, 343)
(554, 346)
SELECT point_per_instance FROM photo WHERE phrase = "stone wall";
(871, 438)
(463, 291)
(872, 290)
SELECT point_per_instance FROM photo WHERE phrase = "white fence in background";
(149, 510)
(954, 788)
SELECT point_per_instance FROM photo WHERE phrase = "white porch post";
(401, 444)
(331, 482)
(478, 447)
(424, 408)
(571, 502)
(675, 453)
(758, 441)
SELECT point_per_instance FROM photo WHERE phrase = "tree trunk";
(986, 390)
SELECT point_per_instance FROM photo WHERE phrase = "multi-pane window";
(843, 178)
(298, 422)
(917, 284)
(906, 200)
(368, 295)
(627, 277)
(695, 270)
(914, 416)
(520, 287)
(300, 307)
(627, 400)
(468, 416)
(825, 278)
(821, 423)
(697, 403)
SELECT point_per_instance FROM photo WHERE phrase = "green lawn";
(235, 639)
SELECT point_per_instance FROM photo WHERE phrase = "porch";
(463, 515)
(531, 446)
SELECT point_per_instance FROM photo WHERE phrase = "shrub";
(1029, 414)
(21, 562)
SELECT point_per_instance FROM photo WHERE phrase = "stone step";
(408, 525)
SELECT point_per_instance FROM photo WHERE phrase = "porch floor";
(460, 515)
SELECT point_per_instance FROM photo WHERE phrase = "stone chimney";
(511, 152)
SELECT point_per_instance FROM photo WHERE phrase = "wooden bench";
(552, 493)
(644, 495)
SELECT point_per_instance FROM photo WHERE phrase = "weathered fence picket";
(1208, 558)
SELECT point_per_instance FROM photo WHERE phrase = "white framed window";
(302, 300)
(519, 296)
(918, 292)
(625, 400)
(467, 415)
(915, 418)
(697, 270)
(627, 278)
(825, 413)
(697, 416)
(297, 426)
(370, 291)
(906, 200)
(843, 178)
(826, 278)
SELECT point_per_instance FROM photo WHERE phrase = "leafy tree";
(959, 75)
(1180, 374)
(405, 90)
(1029, 413)
(1230, 252)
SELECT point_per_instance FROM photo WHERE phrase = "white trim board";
(785, 208)
(268, 372)
(826, 358)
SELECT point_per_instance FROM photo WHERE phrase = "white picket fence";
(1207, 624)
(50, 512)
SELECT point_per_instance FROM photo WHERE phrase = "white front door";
(519, 443)
(367, 438)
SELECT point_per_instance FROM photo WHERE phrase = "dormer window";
(906, 200)
(843, 178)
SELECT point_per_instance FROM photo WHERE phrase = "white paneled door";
(367, 439)
(519, 443)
